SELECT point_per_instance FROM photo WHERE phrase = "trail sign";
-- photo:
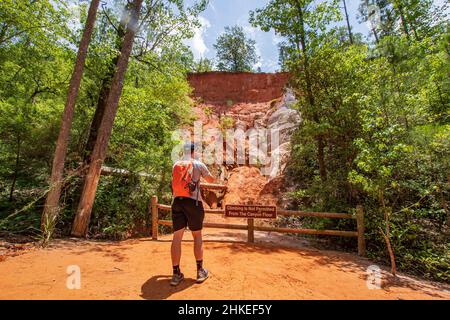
(251, 211)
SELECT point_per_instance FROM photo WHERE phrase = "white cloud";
(197, 43)
(276, 40)
(253, 33)
(213, 8)
(250, 31)
(260, 62)
(272, 66)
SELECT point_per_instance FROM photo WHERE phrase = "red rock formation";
(249, 99)
(224, 88)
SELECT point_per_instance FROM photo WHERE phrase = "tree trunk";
(387, 238)
(98, 115)
(403, 21)
(16, 169)
(375, 34)
(349, 28)
(104, 93)
(100, 108)
(51, 207)
(387, 234)
(84, 210)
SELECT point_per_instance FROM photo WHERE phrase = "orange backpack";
(183, 184)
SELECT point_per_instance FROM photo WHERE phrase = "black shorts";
(185, 212)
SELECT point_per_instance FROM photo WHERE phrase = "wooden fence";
(251, 228)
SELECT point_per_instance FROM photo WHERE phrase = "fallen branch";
(108, 171)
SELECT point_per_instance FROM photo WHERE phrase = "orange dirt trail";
(140, 269)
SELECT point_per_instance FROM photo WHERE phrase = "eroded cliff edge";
(247, 101)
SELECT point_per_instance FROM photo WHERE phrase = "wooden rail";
(251, 228)
(108, 171)
(211, 186)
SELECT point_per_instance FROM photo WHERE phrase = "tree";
(341, 33)
(416, 18)
(51, 207)
(303, 26)
(380, 16)
(163, 23)
(235, 52)
(349, 28)
(30, 19)
(379, 109)
(203, 65)
(36, 63)
(157, 47)
(420, 18)
(81, 221)
(30, 75)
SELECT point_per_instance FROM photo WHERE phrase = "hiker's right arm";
(210, 179)
(206, 174)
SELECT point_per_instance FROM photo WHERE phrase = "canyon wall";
(226, 88)
(252, 101)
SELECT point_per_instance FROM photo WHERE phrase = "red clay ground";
(140, 269)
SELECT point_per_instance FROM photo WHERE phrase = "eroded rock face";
(245, 185)
(282, 153)
(210, 199)
(225, 88)
(252, 101)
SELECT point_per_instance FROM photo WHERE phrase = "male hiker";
(187, 210)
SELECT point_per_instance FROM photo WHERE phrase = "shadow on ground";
(159, 288)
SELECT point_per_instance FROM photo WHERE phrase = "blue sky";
(222, 13)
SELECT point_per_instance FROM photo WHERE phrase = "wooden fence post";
(148, 219)
(155, 218)
(251, 230)
(360, 227)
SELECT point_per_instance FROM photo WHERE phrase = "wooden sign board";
(251, 211)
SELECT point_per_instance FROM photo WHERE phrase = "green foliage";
(121, 208)
(416, 19)
(226, 123)
(37, 50)
(203, 65)
(382, 113)
(208, 111)
(32, 89)
(235, 52)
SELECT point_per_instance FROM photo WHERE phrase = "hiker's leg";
(202, 273)
(176, 247)
(179, 225)
(198, 245)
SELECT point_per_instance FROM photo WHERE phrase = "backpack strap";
(197, 184)
(190, 165)
(198, 191)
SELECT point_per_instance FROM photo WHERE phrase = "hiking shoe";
(202, 275)
(176, 279)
